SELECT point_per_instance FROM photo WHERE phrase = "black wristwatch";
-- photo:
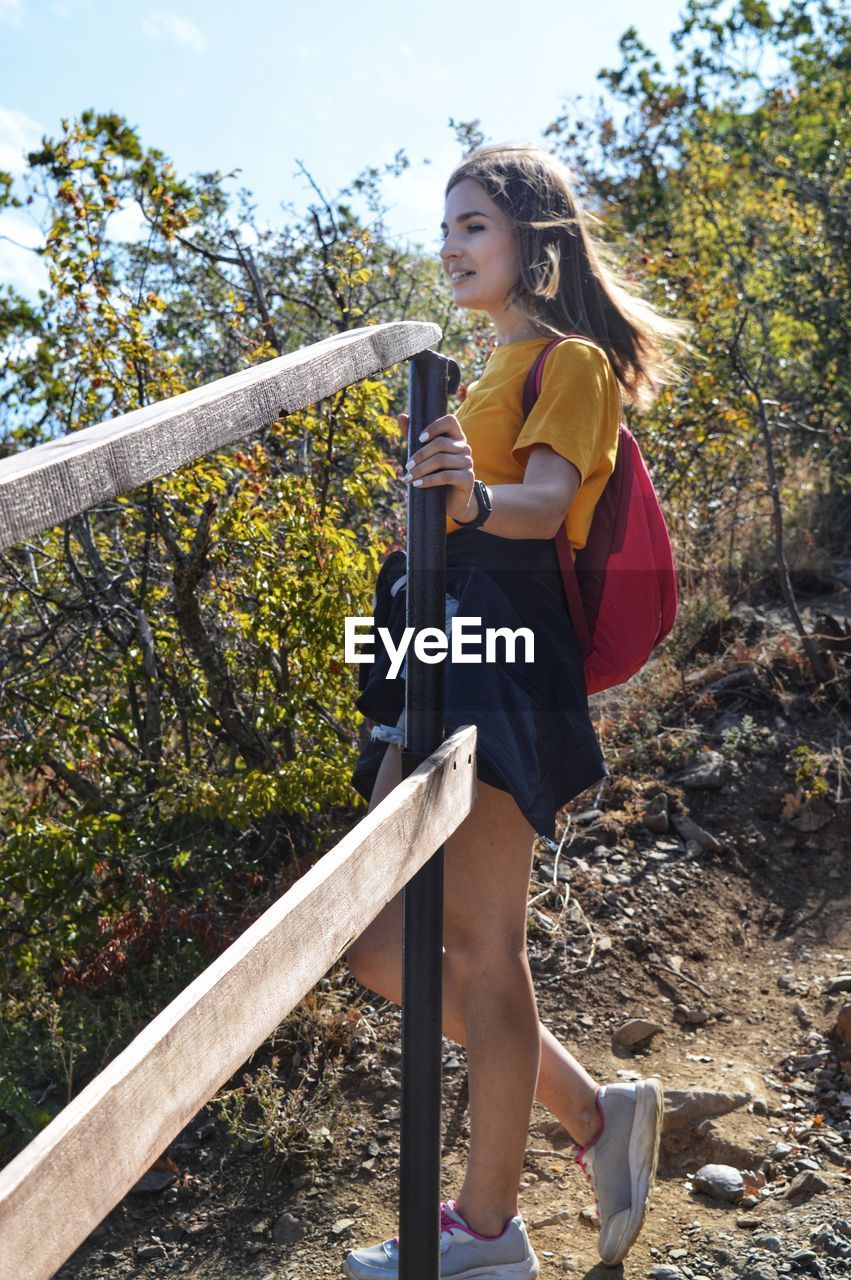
(483, 498)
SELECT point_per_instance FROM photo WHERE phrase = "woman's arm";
(534, 509)
(537, 507)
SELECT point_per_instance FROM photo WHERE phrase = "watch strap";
(483, 498)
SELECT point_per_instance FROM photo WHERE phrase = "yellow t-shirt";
(577, 414)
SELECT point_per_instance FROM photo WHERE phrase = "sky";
(259, 86)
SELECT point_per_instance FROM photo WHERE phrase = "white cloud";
(19, 231)
(18, 135)
(11, 11)
(127, 225)
(20, 267)
(169, 26)
(416, 198)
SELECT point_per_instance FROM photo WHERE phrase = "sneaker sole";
(646, 1132)
(526, 1270)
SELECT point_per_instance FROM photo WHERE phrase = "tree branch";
(188, 570)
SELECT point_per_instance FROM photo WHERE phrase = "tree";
(176, 720)
(730, 189)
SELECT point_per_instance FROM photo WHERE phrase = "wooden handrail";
(42, 486)
(79, 1167)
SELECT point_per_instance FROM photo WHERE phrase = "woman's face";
(479, 253)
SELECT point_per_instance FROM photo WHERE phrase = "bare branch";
(188, 570)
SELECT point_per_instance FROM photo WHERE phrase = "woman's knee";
(373, 964)
(495, 928)
(472, 951)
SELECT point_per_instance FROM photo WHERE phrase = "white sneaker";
(620, 1163)
(463, 1253)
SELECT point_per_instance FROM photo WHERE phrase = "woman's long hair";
(567, 283)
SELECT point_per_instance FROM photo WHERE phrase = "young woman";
(517, 248)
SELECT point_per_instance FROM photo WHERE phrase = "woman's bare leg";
(486, 874)
(488, 997)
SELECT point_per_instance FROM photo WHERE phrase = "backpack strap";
(531, 391)
(572, 593)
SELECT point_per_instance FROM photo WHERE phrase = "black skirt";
(535, 738)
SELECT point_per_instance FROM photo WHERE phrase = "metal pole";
(431, 378)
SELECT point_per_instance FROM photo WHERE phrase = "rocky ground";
(694, 923)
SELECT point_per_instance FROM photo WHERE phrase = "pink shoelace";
(579, 1152)
(579, 1158)
(446, 1223)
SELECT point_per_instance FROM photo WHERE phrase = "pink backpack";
(622, 588)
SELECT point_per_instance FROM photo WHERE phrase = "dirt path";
(730, 951)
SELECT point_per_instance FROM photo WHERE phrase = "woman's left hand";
(445, 459)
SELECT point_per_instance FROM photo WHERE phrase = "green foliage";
(225, 703)
(740, 738)
(747, 738)
(728, 193)
(808, 770)
(648, 745)
(20, 1117)
(701, 612)
(269, 1112)
(177, 723)
(279, 1106)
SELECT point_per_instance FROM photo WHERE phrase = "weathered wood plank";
(42, 486)
(64, 1183)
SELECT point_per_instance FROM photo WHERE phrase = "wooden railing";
(56, 1191)
(40, 487)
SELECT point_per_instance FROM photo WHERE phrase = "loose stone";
(153, 1182)
(342, 1226)
(656, 815)
(706, 773)
(172, 1235)
(802, 1015)
(806, 1184)
(149, 1252)
(721, 1181)
(694, 1017)
(288, 1229)
(686, 1107)
(688, 829)
(636, 1031)
(842, 1029)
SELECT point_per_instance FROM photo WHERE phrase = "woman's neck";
(515, 326)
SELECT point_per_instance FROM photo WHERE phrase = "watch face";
(483, 499)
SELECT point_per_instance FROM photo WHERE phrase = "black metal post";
(431, 378)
